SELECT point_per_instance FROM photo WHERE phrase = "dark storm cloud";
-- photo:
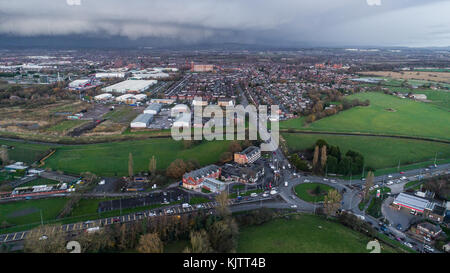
(383, 22)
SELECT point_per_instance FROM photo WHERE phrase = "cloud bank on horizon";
(283, 22)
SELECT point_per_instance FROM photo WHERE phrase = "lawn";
(28, 211)
(111, 159)
(406, 117)
(305, 191)
(122, 114)
(25, 152)
(440, 98)
(379, 152)
(40, 181)
(303, 234)
(25, 215)
(66, 125)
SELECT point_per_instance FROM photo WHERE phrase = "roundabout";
(312, 192)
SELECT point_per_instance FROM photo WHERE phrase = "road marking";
(23, 235)
(6, 238)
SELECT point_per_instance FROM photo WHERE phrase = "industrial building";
(104, 75)
(127, 86)
(180, 108)
(126, 98)
(162, 101)
(79, 83)
(142, 121)
(183, 120)
(105, 96)
(149, 75)
(153, 109)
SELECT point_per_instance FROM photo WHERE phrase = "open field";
(409, 118)
(412, 75)
(28, 211)
(379, 152)
(440, 98)
(111, 159)
(25, 152)
(303, 234)
(305, 192)
(66, 125)
(122, 114)
(25, 215)
(38, 118)
(40, 181)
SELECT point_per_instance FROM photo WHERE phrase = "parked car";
(399, 227)
(408, 244)
(428, 248)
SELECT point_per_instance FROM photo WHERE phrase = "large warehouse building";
(183, 120)
(142, 121)
(104, 75)
(127, 86)
(153, 109)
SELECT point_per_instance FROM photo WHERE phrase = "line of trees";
(319, 111)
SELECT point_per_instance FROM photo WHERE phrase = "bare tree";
(199, 243)
(152, 165)
(316, 157)
(150, 243)
(369, 184)
(4, 156)
(130, 165)
(95, 242)
(323, 156)
(222, 207)
(45, 239)
(332, 202)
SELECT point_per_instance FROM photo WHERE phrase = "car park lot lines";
(18, 236)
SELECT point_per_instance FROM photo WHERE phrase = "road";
(168, 210)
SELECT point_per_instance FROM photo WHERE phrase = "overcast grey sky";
(312, 22)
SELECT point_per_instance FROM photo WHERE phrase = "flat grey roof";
(143, 118)
(154, 106)
(411, 201)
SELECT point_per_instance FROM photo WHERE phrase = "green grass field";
(121, 114)
(25, 152)
(304, 234)
(408, 118)
(440, 98)
(40, 181)
(305, 192)
(28, 211)
(25, 215)
(111, 159)
(379, 152)
(66, 125)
